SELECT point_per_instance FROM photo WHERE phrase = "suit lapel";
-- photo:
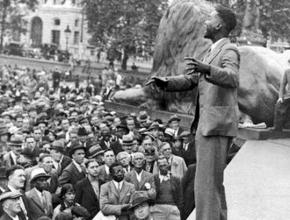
(216, 50)
(123, 192)
(35, 198)
(91, 190)
(134, 178)
(114, 190)
(143, 179)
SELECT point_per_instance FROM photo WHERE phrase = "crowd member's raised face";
(17, 179)
(47, 163)
(19, 122)
(163, 165)
(165, 149)
(73, 136)
(65, 124)
(56, 155)
(37, 134)
(130, 124)
(138, 160)
(32, 114)
(174, 124)
(30, 142)
(124, 158)
(95, 120)
(79, 156)
(109, 157)
(117, 173)
(147, 142)
(12, 206)
(92, 168)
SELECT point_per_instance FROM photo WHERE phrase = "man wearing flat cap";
(39, 199)
(10, 202)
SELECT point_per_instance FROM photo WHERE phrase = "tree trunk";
(125, 58)
(3, 21)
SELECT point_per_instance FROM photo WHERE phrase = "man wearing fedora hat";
(39, 199)
(140, 206)
(96, 152)
(10, 202)
(76, 170)
(128, 142)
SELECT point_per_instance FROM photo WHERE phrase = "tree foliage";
(124, 24)
(272, 17)
(12, 13)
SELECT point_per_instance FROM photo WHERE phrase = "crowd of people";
(65, 156)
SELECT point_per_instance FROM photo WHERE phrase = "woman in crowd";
(67, 196)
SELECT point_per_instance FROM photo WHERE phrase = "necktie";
(44, 203)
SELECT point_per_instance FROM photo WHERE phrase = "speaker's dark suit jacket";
(86, 196)
(71, 175)
(188, 190)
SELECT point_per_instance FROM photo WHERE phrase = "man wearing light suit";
(39, 200)
(216, 115)
(116, 195)
(142, 180)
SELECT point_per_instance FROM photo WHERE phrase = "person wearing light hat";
(127, 143)
(10, 202)
(173, 123)
(141, 206)
(39, 199)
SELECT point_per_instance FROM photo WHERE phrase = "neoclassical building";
(60, 22)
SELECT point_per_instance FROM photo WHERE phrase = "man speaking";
(216, 114)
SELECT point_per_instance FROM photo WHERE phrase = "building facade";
(59, 22)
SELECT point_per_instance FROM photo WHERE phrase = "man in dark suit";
(169, 197)
(104, 170)
(116, 195)
(76, 170)
(142, 180)
(61, 161)
(11, 206)
(88, 189)
(189, 153)
(39, 200)
(216, 116)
